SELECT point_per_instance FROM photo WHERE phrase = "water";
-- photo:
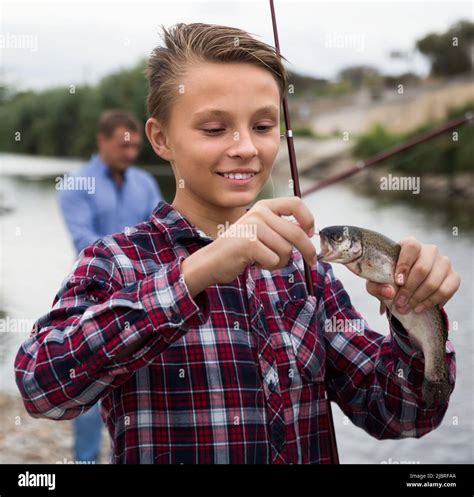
(452, 441)
(36, 255)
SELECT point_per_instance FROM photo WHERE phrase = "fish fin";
(383, 308)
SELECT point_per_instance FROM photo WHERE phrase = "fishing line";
(333, 452)
(273, 185)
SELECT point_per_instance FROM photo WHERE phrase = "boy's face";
(226, 117)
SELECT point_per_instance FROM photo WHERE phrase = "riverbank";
(387, 180)
(441, 200)
(27, 440)
(384, 179)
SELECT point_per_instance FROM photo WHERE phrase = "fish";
(373, 256)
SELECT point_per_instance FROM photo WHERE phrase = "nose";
(243, 145)
(131, 155)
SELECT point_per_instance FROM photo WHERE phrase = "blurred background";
(364, 76)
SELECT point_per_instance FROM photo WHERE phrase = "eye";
(265, 128)
(338, 238)
(262, 129)
(213, 131)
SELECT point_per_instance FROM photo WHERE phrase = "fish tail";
(435, 391)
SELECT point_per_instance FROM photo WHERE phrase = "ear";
(158, 139)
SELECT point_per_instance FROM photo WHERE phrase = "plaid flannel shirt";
(237, 374)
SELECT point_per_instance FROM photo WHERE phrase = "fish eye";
(338, 238)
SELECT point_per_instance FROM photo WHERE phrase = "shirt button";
(175, 318)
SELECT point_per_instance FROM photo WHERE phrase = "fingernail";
(311, 232)
(402, 301)
(400, 279)
(386, 292)
(404, 310)
(419, 308)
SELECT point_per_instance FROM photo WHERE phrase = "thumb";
(380, 290)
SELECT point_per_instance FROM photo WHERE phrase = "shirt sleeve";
(67, 364)
(80, 226)
(376, 380)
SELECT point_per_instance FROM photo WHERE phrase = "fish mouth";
(329, 254)
(326, 249)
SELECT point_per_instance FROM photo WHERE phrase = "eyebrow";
(223, 113)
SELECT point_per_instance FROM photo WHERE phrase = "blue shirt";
(95, 208)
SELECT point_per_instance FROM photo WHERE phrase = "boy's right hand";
(262, 237)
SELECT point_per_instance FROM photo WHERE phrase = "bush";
(441, 155)
(62, 123)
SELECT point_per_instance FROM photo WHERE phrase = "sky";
(60, 43)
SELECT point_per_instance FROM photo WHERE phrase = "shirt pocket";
(299, 325)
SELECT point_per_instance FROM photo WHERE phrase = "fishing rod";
(296, 189)
(385, 154)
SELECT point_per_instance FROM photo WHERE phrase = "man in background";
(112, 195)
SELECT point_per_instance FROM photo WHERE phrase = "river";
(36, 255)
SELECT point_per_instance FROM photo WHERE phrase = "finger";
(409, 253)
(417, 274)
(293, 206)
(294, 235)
(380, 290)
(432, 282)
(275, 242)
(447, 289)
(264, 257)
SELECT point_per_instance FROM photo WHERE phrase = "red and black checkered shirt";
(237, 374)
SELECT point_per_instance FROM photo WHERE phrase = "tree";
(450, 52)
(359, 76)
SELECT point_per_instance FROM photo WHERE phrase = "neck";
(207, 217)
(117, 176)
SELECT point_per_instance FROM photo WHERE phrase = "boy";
(195, 330)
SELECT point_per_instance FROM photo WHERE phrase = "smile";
(237, 176)
(238, 179)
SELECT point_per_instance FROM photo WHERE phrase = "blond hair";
(197, 42)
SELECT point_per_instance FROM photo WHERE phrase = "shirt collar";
(102, 166)
(174, 225)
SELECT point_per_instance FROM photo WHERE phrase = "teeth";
(238, 175)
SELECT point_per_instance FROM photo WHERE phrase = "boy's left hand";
(428, 278)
